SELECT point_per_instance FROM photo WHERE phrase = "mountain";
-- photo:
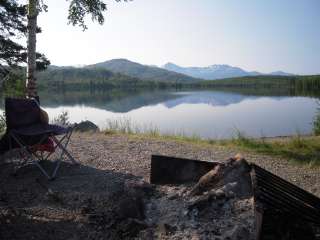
(210, 72)
(143, 72)
(122, 72)
(216, 71)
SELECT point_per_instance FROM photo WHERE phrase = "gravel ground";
(83, 202)
(132, 155)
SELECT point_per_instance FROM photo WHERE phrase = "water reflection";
(213, 98)
(210, 114)
(115, 101)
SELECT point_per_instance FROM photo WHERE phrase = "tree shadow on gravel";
(81, 203)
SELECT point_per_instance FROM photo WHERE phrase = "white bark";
(31, 86)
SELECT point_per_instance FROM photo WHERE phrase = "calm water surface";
(209, 114)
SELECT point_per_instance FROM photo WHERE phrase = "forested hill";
(309, 83)
(144, 72)
(85, 78)
(265, 81)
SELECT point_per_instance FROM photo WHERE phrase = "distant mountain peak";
(118, 59)
(218, 65)
(281, 73)
(171, 63)
(216, 71)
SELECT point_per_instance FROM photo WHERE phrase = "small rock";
(86, 126)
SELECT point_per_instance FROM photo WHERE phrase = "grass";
(298, 149)
(305, 150)
(128, 127)
(316, 122)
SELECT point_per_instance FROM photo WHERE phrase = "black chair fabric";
(21, 113)
(39, 129)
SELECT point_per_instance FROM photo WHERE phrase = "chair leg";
(29, 156)
(56, 169)
(42, 170)
(64, 150)
(55, 147)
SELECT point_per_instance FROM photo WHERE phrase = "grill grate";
(283, 210)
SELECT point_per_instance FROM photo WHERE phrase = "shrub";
(3, 124)
(316, 123)
(62, 119)
(14, 84)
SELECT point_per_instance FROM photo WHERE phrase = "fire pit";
(230, 200)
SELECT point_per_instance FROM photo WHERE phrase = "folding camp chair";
(33, 137)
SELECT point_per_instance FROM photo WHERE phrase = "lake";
(208, 114)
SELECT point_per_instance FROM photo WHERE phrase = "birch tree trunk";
(31, 84)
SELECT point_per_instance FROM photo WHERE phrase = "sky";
(255, 35)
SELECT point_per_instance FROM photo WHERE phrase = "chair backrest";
(21, 112)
